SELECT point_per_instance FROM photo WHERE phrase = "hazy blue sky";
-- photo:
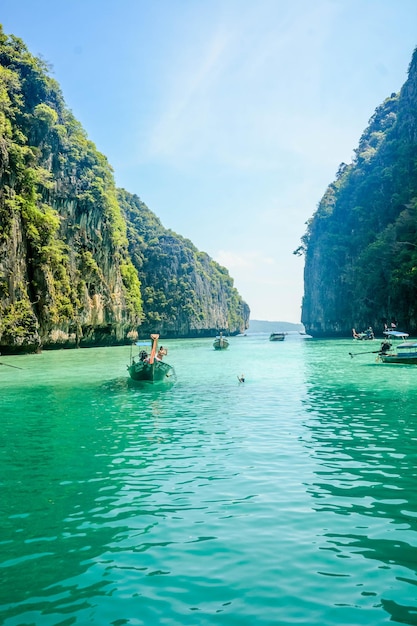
(228, 118)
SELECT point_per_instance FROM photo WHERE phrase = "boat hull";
(157, 371)
(394, 358)
(277, 337)
(406, 354)
(221, 344)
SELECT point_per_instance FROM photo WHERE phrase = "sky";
(228, 118)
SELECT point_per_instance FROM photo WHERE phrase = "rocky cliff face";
(361, 244)
(185, 293)
(70, 294)
(66, 274)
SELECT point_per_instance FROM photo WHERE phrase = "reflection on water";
(363, 439)
(287, 499)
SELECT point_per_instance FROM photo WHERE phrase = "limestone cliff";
(185, 293)
(361, 244)
(66, 274)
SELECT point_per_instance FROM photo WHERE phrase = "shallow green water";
(288, 499)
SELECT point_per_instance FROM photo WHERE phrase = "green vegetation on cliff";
(185, 293)
(66, 274)
(59, 216)
(361, 244)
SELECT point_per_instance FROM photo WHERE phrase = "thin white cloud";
(246, 261)
(232, 113)
(235, 98)
(186, 108)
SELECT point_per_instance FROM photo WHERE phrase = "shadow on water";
(65, 495)
(127, 502)
(89, 466)
(56, 485)
(362, 436)
(146, 387)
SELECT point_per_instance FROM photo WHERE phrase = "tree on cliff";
(60, 222)
(361, 244)
(185, 293)
(66, 274)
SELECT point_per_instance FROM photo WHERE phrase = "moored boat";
(367, 334)
(405, 353)
(277, 336)
(150, 368)
(220, 342)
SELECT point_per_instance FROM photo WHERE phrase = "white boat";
(277, 336)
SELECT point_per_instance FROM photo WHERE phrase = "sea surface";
(290, 498)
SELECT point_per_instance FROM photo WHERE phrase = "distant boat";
(405, 353)
(367, 334)
(150, 368)
(220, 343)
(277, 336)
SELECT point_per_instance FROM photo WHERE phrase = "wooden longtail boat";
(365, 335)
(150, 368)
(220, 343)
(405, 353)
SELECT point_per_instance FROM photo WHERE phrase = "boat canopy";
(396, 333)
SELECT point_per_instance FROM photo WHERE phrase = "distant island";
(263, 326)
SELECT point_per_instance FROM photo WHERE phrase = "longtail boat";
(405, 353)
(365, 335)
(220, 343)
(151, 368)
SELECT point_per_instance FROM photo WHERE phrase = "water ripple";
(287, 499)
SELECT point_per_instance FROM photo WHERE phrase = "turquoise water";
(288, 499)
